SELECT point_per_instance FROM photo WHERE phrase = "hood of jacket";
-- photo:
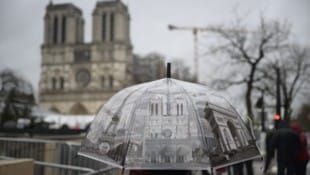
(283, 124)
(296, 127)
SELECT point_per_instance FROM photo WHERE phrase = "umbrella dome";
(168, 124)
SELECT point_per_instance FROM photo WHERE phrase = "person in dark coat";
(238, 168)
(269, 150)
(286, 143)
(303, 155)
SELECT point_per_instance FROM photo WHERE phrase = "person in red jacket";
(303, 155)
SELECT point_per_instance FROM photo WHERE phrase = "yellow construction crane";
(195, 31)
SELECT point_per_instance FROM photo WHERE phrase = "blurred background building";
(148, 68)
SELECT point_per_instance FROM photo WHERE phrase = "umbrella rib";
(127, 140)
(195, 111)
(115, 115)
(125, 100)
(118, 111)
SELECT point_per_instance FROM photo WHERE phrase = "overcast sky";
(21, 25)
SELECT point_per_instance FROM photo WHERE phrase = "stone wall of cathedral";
(78, 77)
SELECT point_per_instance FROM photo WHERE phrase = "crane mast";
(195, 31)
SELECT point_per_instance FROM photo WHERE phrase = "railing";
(51, 157)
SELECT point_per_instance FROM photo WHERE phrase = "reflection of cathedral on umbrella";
(169, 130)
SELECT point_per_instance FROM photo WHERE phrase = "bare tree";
(181, 71)
(16, 96)
(246, 49)
(294, 65)
(148, 67)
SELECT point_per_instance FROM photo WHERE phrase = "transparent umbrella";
(168, 124)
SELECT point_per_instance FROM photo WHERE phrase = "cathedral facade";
(78, 77)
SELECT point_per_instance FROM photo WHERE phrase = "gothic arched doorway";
(78, 108)
(54, 109)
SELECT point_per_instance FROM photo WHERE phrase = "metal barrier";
(51, 157)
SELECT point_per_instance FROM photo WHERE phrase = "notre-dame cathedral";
(79, 77)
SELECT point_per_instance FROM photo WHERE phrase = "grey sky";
(21, 25)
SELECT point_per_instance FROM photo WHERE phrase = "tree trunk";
(287, 110)
(248, 101)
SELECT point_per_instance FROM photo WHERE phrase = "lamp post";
(261, 105)
(278, 116)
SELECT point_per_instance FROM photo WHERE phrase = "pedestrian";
(303, 155)
(269, 150)
(285, 142)
(238, 168)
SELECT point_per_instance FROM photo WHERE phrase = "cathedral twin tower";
(78, 77)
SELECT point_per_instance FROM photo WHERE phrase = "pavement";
(258, 167)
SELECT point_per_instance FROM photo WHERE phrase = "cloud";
(21, 31)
